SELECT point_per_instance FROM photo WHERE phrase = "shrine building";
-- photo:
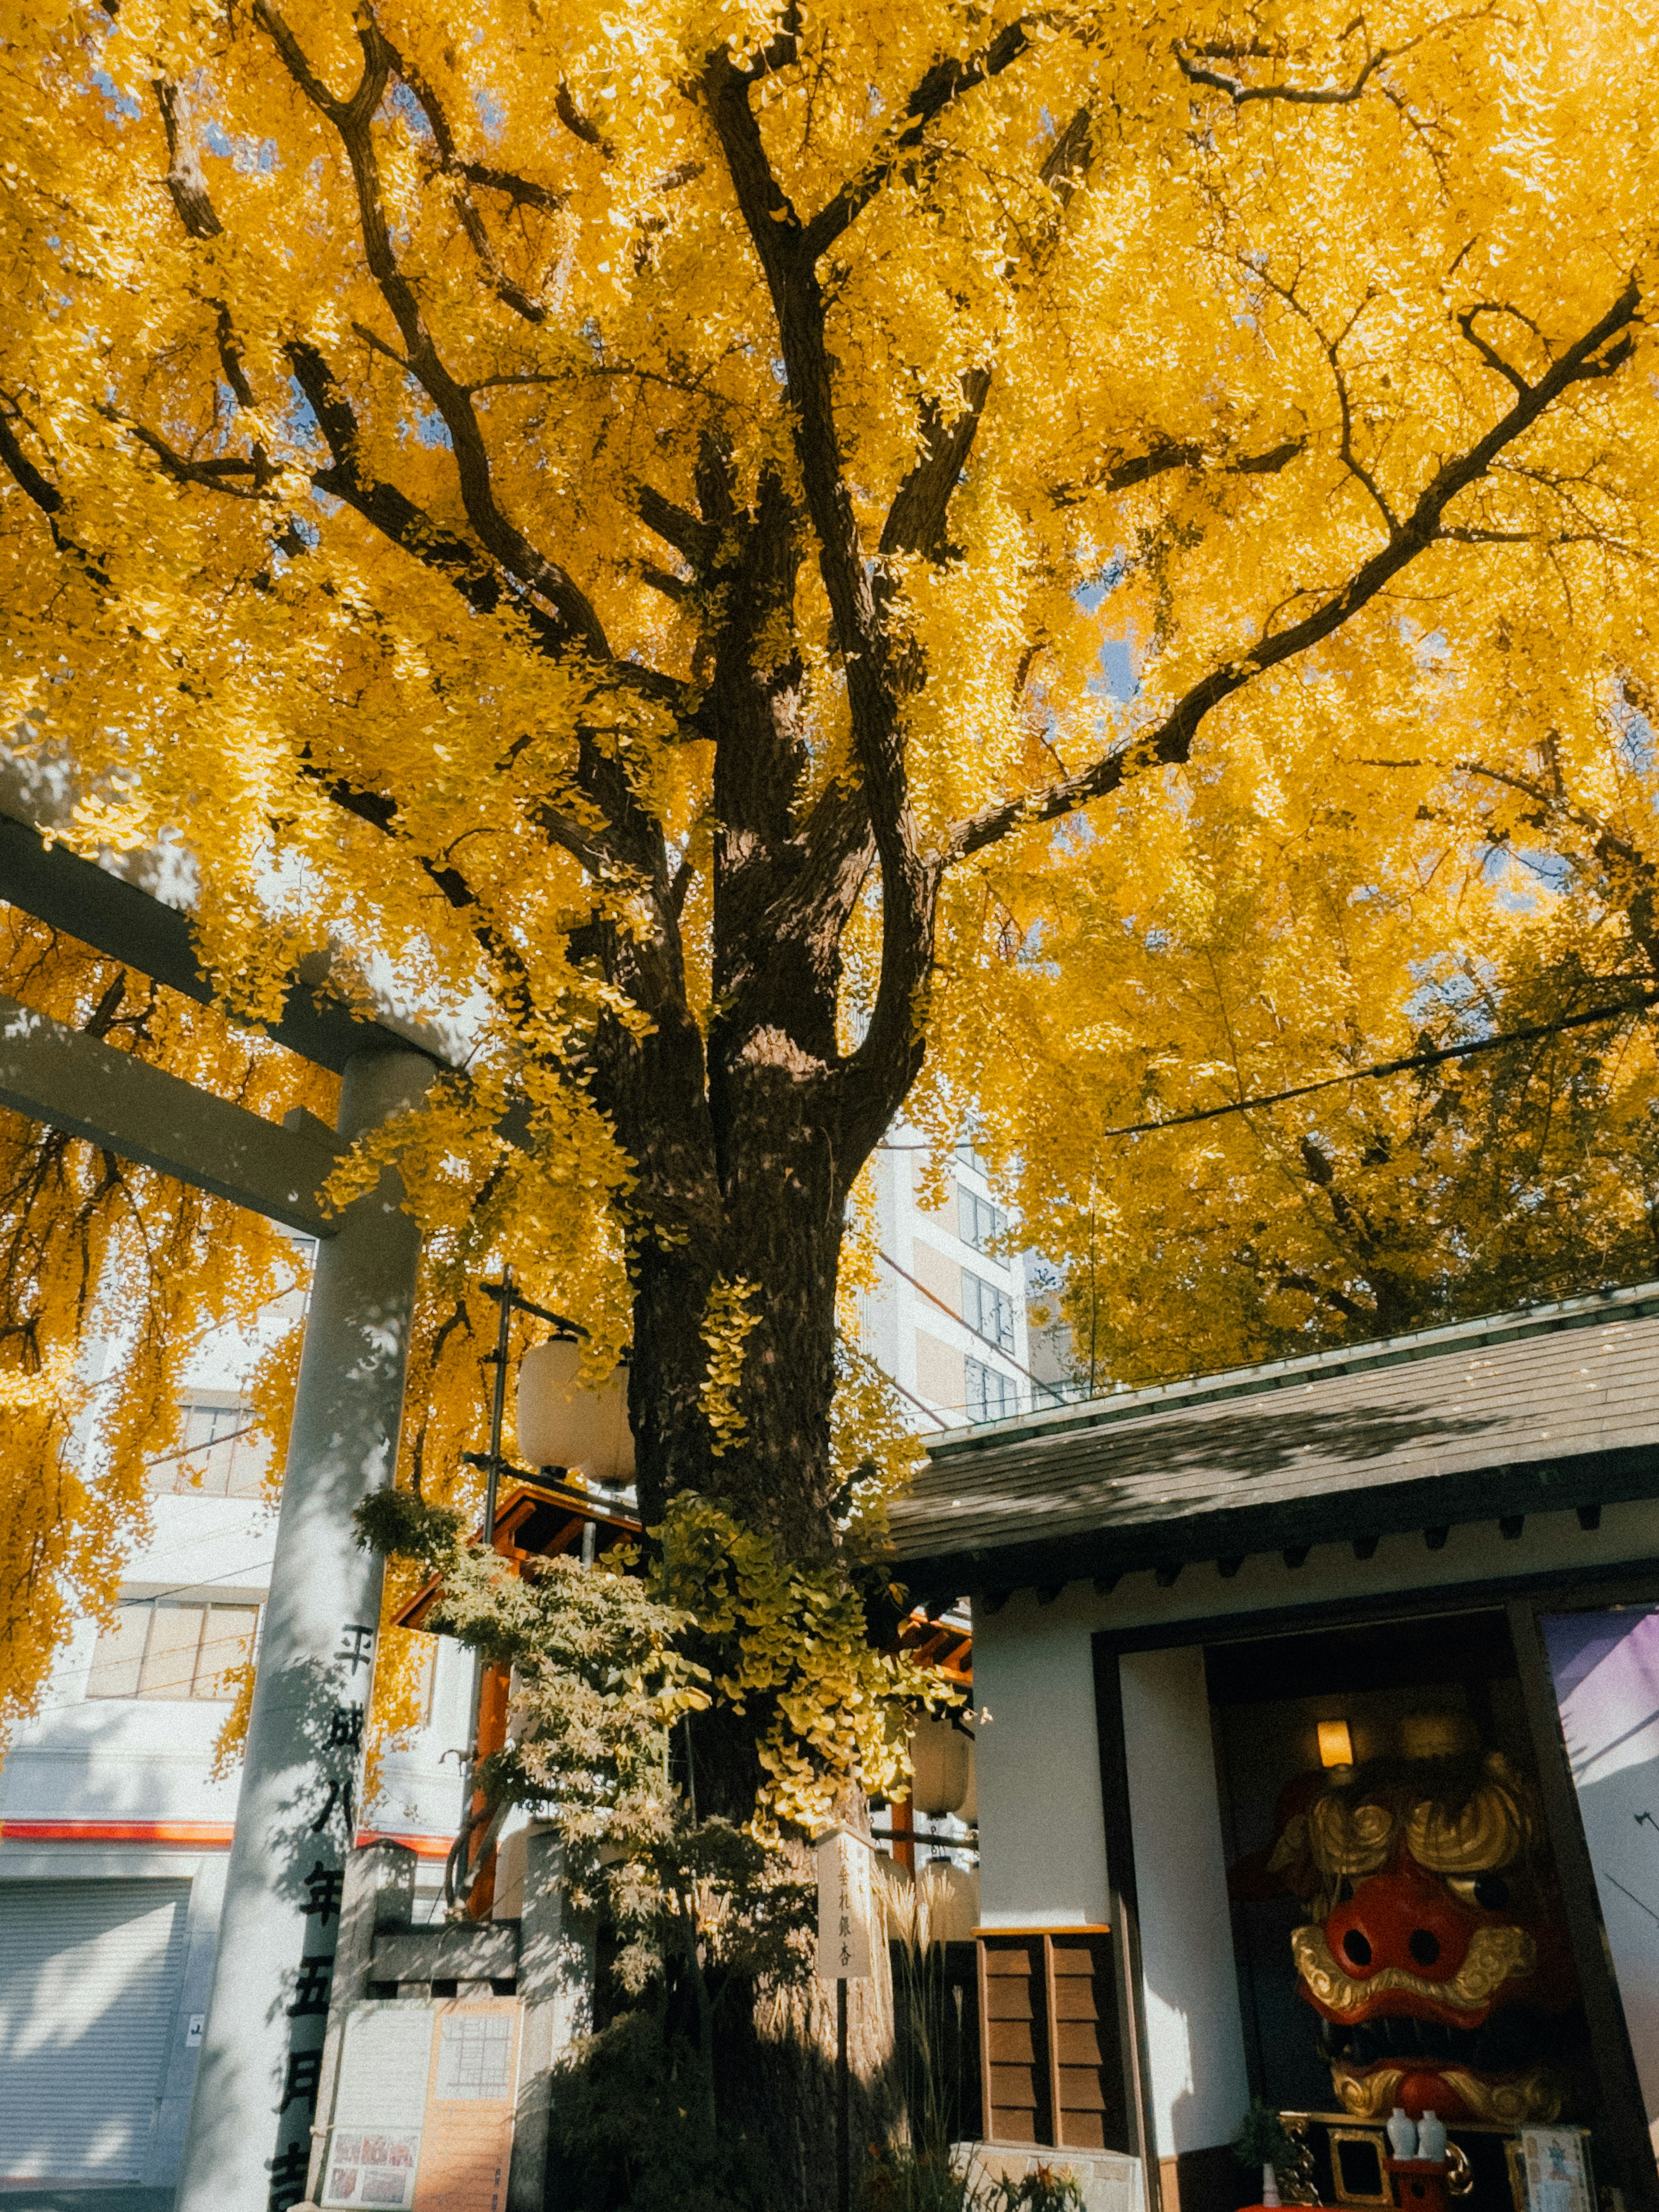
(1317, 1720)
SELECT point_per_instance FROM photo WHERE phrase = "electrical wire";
(190, 1451)
(1588, 1019)
(1437, 1057)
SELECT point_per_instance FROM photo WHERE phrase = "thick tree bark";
(742, 1144)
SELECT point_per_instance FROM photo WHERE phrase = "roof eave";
(1429, 1503)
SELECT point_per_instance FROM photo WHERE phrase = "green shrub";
(631, 2133)
(1263, 2140)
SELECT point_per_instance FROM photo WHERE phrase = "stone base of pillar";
(556, 1983)
(546, 1957)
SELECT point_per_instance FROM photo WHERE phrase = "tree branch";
(687, 533)
(380, 813)
(916, 520)
(213, 475)
(940, 88)
(1299, 95)
(45, 495)
(394, 516)
(891, 1048)
(187, 185)
(1241, 94)
(1489, 353)
(577, 123)
(664, 581)
(1600, 352)
(461, 174)
(351, 121)
(29, 480)
(872, 682)
(1332, 348)
(1187, 453)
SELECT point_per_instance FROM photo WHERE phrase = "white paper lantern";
(943, 1759)
(565, 1422)
(969, 1808)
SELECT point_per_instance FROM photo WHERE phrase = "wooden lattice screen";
(1052, 2069)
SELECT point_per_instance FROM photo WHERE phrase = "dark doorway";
(1380, 1793)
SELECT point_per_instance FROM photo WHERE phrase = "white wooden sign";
(423, 2118)
(379, 2107)
(845, 1906)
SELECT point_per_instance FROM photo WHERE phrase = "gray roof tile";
(1548, 1407)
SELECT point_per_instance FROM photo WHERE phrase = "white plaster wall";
(421, 1789)
(1042, 1850)
(1194, 2034)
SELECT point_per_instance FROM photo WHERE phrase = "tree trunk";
(745, 1141)
(777, 2082)
(779, 1231)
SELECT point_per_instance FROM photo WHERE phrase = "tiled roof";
(1555, 1407)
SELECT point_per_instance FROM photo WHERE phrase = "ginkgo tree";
(1221, 1180)
(618, 513)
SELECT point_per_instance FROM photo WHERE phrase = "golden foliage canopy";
(621, 515)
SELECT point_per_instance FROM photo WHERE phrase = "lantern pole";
(503, 1290)
(456, 1878)
(498, 1408)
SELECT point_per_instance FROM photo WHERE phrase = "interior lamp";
(1336, 1744)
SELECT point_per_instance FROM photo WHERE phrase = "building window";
(967, 1154)
(990, 1310)
(224, 1454)
(978, 1223)
(990, 1396)
(155, 1649)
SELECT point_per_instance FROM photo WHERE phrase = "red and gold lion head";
(1434, 1954)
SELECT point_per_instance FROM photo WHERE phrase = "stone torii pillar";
(249, 2142)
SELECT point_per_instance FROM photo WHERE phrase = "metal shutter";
(89, 1975)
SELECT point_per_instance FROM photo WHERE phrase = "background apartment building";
(947, 1320)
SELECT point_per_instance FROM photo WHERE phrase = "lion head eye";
(1490, 1892)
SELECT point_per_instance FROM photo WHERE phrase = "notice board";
(422, 2118)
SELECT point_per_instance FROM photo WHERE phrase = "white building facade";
(946, 1322)
(115, 1827)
